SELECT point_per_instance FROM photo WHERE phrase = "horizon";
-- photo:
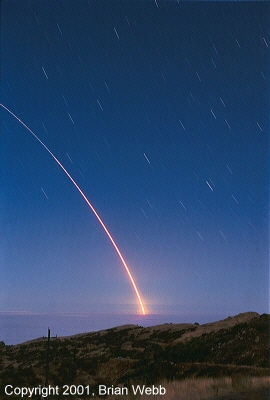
(23, 327)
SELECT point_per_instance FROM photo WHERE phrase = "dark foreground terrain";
(237, 347)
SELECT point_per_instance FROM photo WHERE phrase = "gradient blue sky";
(159, 111)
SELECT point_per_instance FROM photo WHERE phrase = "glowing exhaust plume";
(92, 208)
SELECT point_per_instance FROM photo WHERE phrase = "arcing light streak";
(92, 208)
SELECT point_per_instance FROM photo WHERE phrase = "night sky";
(159, 111)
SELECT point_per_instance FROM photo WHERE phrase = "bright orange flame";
(92, 208)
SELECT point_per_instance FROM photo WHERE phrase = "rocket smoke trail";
(92, 208)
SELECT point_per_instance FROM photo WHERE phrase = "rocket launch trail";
(132, 281)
